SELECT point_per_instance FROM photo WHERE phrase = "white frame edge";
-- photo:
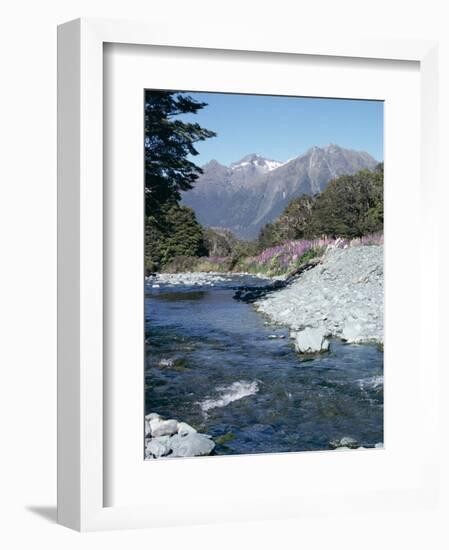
(80, 227)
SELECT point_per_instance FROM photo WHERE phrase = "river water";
(217, 364)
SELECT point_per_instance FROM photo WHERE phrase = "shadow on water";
(180, 296)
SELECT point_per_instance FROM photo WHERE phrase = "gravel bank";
(195, 278)
(343, 296)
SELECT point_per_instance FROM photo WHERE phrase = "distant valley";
(253, 191)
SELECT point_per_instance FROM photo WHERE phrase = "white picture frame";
(82, 391)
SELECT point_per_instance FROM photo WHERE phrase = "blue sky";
(281, 128)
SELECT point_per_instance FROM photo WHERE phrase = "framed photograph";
(242, 334)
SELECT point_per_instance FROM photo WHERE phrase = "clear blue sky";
(280, 128)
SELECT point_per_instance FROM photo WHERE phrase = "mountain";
(247, 194)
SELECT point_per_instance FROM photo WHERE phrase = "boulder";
(311, 340)
(192, 444)
(352, 332)
(152, 416)
(158, 446)
(148, 419)
(185, 429)
(163, 427)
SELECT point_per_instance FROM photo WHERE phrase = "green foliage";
(184, 236)
(175, 232)
(181, 264)
(293, 223)
(350, 206)
(311, 253)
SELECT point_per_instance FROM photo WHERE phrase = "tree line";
(351, 206)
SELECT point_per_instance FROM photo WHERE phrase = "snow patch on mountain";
(259, 163)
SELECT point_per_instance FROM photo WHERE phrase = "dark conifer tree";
(168, 143)
(170, 229)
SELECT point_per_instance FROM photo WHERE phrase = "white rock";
(147, 428)
(311, 340)
(193, 444)
(158, 446)
(185, 429)
(152, 416)
(163, 427)
(148, 419)
(352, 332)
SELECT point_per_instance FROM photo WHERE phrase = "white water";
(371, 382)
(228, 394)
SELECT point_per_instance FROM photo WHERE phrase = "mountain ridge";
(253, 191)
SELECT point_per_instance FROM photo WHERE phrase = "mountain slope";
(254, 191)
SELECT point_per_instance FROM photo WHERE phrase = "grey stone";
(352, 332)
(158, 446)
(185, 429)
(163, 427)
(148, 419)
(193, 444)
(311, 340)
(152, 416)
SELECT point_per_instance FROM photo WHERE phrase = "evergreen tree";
(185, 236)
(350, 206)
(168, 142)
(170, 229)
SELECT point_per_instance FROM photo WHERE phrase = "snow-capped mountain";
(253, 191)
(255, 162)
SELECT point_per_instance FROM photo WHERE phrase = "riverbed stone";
(152, 416)
(352, 332)
(185, 429)
(311, 340)
(161, 427)
(192, 444)
(148, 419)
(158, 446)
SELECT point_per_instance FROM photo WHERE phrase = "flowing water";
(217, 364)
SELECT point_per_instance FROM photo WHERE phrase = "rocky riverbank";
(194, 278)
(174, 439)
(341, 297)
